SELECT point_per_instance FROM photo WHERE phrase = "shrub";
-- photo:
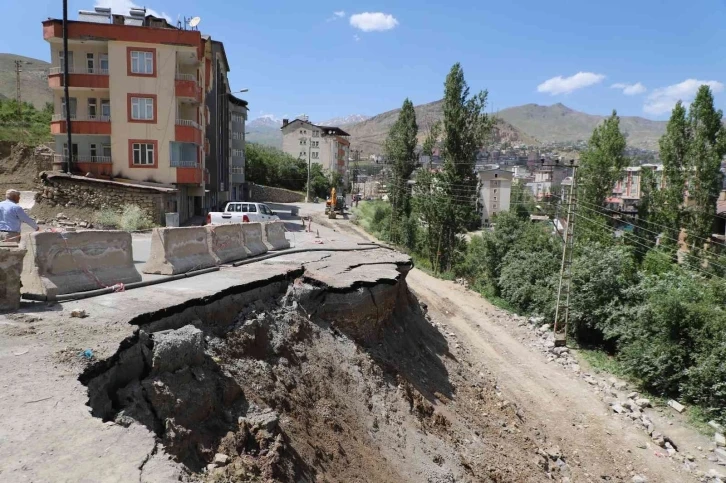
(107, 218)
(132, 218)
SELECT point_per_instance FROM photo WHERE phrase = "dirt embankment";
(284, 388)
(19, 167)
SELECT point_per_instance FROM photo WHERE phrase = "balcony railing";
(238, 170)
(62, 117)
(187, 122)
(59, 158)
(78, 70)
(185, 77)
(176, 163)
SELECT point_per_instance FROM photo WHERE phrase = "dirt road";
(568, 411)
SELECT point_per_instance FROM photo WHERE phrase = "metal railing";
(78, 70)
(238, 170)
(185, 77)
(187, 122)
(75, 117)
(83, 159)
(176, 163)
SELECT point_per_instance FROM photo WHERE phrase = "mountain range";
(530, 124)
(33, 79)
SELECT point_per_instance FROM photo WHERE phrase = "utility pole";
(562, 309)
(307, 196)
(66, 96)
(17, 89)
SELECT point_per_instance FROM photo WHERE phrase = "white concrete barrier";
(178, 250)
(60, 263)
(226, 242)
(274, 236)
(254, 243)
(11, 265)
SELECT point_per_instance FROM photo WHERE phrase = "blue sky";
(301, 57)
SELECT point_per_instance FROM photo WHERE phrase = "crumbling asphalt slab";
(47, 432)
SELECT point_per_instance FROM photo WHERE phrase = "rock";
(639, 479)
(83, 224)
(715, 474)
(61, 216)
(643, 402)
(554, 453)
(716, 426)
(618, 408)
(220, 459)
(81, 314)
(549, 344)
(266, 419)
(677, 406)
(543, 328)
(560, 350)
(719, 439)
(621, 386)
(536, 320)
(40, 222)
(575, 367)
(690, 457)
(720, 453)
(174, 349)
(633, 395)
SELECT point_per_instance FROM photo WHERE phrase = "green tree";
(601, 166)
(674, 146)
(447, 199)
(400, 149)
(707, 148)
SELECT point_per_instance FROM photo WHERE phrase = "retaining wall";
(261, 194)
(61, 263)
(179, 250)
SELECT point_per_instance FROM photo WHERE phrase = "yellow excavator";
(334, 204)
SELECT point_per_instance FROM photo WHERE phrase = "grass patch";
(132, 218)
(603, 362)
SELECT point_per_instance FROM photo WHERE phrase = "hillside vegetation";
(559, 123)
(31, 127)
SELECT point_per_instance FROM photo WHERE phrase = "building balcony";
(96, 165)
(187, 131)
(238, 174)
(187, 88)
(189, 175)
(78, 78)
(81, 124)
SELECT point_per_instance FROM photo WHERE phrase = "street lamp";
(235, 92)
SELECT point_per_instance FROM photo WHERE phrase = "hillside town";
(194, 289)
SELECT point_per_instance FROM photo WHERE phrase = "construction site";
(296, 351)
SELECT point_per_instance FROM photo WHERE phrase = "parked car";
(241, 212)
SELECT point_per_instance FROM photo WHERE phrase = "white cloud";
(371, 22)
(123, 6)
(336, 15)
(357, 39)
(566, 85)
(630, 89)
(662, 100)
(339, 14)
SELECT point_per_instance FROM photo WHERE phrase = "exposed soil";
(18, 168)
(291, 391)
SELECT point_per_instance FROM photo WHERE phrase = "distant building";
(495, 188)
(238, 117)
(627, 190)
(547, 181)
(325, 145)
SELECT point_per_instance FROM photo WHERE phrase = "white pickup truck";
(241, 212)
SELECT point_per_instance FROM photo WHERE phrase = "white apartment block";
(324, 145)
(495, 189)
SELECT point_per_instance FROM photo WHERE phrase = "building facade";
(324, 145)
(137, 87)
(495, 189)
(218, 138)
(238, 118)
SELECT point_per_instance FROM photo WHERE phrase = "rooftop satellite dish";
(195, 21)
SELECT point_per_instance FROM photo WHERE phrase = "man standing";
(12, 216)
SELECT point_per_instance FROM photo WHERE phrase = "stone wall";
(274, 195)
(64, 190)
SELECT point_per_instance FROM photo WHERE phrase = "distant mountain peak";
(345, 120)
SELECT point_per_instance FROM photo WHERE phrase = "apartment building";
(628, 190)
(325, 145)
(238, 116)
(495, 189)
(136, 99)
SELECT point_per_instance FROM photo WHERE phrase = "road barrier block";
(11, 265)
(274, 236)
(58, 263)
(226, 242)
(179, 250)
(254, 242)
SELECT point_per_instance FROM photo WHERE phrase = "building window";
(106, 150)
(103, 61)
(92, 109)
(238, 153)
(142, 153)
(303, 142)
(142, 108)
(182, 155)
(90, 64)
(316, 134)
(314, 155)
(236, 135)
(141, 62)
(315, 144)
(70, 61)
(94, 151)
(105, 109)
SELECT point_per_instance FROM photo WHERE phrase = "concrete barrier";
(226, 242)
(11, 264)
(274, 236)
(61, 263)
(178, 250)
(254, 242)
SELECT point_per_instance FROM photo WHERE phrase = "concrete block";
(174, 349)
(62, 263)
(676, 405)
(179, 250)
(254, 243)
(274, 236)
(11, 265)
(226, 242)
